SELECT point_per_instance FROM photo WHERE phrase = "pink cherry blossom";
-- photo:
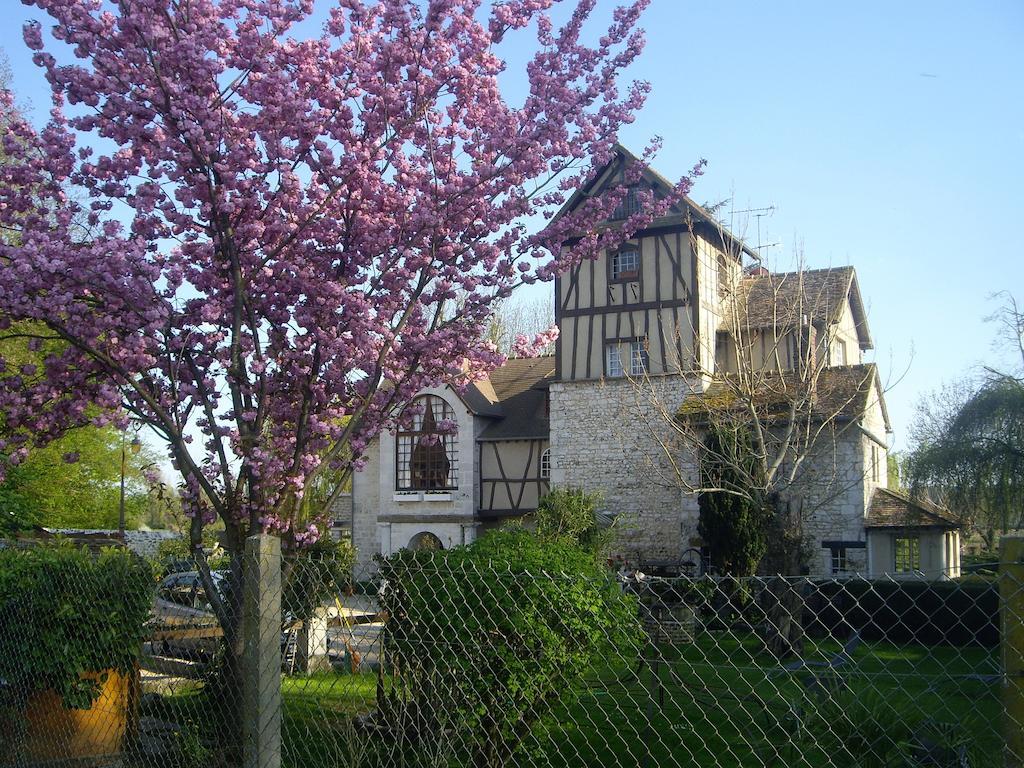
(264, 239)
(526, 347)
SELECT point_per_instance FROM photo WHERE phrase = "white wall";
(386, 518)
(940, 553)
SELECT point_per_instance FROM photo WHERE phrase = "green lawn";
(720, 702)
(319, 726)
(716, 702)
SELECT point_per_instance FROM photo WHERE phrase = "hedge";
(65, 612)
(500, 632)
(926, 613)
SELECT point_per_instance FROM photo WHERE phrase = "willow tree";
(971, 454)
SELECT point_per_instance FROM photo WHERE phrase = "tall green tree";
(75, 482)
(733, 526)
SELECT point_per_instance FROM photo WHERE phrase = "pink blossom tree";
(272, 244)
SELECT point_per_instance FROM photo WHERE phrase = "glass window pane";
(426, 454)
(637, 358)
(613, 361)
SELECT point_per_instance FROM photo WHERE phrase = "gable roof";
(520, 386)
(688, 214)
(783, 299)
(894, 509)
(480, 398)
(841, 392)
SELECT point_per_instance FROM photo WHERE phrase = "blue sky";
(887, 135)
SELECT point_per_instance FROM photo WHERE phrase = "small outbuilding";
(911, 537)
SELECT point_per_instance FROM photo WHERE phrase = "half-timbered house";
(666, 309)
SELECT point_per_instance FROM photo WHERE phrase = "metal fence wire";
(430, 660)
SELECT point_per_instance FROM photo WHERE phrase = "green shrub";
(315, 574)
(569, 515)
(65, 612)
(486, 639)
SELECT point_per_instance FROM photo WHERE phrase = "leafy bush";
(569, 515)
(315, 574)
(486, 639)
(65, 613)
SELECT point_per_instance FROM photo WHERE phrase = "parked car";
(184, 621)
(183, 615)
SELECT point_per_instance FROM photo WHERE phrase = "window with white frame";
(426, 457)
(545, 464)
(626, 263)
(637, 358)
(840, 563)
(839, 355)
(612, 360)
(907, 554)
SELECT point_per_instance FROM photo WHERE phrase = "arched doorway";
(426, 542)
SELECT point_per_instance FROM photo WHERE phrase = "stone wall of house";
(837, 486)
(831, 490)
(608, 436)
(386, 519)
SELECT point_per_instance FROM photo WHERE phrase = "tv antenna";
(760, 213)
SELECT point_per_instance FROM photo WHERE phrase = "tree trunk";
(223, 692)
(223, 688)
(784, 633)
(783, 598)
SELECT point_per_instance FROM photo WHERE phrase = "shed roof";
(894, 509)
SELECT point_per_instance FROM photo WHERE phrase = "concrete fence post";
(261, 665)
(1011, 602)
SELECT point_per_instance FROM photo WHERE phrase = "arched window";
(426, 457)
(545, 464)
(425, 542)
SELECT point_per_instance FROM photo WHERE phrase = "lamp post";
(134, 447)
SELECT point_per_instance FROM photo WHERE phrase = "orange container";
(58, 733)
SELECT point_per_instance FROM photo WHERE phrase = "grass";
(721, 702)
(717, 701)
(319, 719)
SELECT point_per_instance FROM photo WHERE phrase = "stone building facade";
(658, 325)
(608, 437)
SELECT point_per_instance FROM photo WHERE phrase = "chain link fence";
(434, 659)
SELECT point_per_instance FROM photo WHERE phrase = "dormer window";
(626, 263)
(629, 205)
